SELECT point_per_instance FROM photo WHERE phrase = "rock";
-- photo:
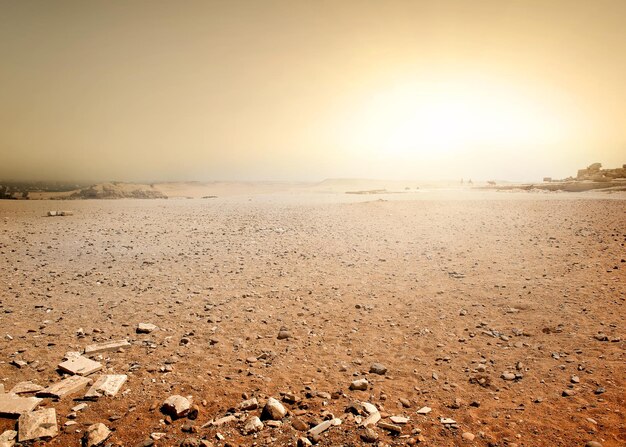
(7, 439)
(593, 444)
(359, 385)
(107, 385)
(284, 334)
(190, 442)
(176, 406)
(14, 405)
(568, 393)
(424, 410)
(468, 436)
(304, 442)
(95, 435)
(69, 385)
(320, 428)
(399, 419)
(396, 429)
(25, 388)
(447, 421)
(372, 419)
(369, 408)
(575, 379)
(80, 365)
(405, 402)
(108, 346)
(252, 425)
(250, 404)
(508, 376)
(369, 435)
(273, 410)
(145, 328)
(378, 368)
(299, 424)
(37, 424)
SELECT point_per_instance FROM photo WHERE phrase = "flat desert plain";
(503, 314)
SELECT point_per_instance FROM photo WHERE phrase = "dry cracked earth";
(505, 318)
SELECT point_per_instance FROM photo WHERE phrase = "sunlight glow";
(448, 119)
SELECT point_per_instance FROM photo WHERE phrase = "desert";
(439, 318)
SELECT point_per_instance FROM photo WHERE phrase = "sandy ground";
(448, 294)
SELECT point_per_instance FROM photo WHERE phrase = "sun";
(448, 118)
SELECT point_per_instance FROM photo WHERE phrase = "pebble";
(359, 385)
(468, 436)
(369, 435)
(378, 368)
(176, 406)
(95, 435)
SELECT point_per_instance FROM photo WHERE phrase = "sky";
(306, 90)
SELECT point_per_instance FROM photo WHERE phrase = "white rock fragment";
(95, 435)
(37, 424)
(253, 425)
(107, 346)
(80, 365)
(69, 385)
(176, 406)
(14, 405)
(107, 385)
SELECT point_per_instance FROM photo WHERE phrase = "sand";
(450, 291)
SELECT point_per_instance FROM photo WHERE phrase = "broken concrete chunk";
(107, 346)
(7, 439)
(66, 386)
(14, 405)
(95, 435)
(26, 388)
(107, 385)
(80, 365)
(38, 424)
(176, 406)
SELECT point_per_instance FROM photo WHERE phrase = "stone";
(252, 425)
(14, 405)
(81, 366)
(593, 444)
(69, 385)
(26, 388)
(378, 368)
(107, 385)
(299, 424)
(447, 421)
(390, 427)
(508, 376)
(304, 442)
(568, 393)
(176, 406)
(273, 410)
(468, 436)
(250, 404)
(424, 410)
(107, 346)
(404, 402)
(95, 435)
(146, 328)
(359, 385)
(372, 419)
(7, 439)
(283, 334)
(399, 419)
(369, 408)
(37, 424)
(369, 435)
(320, 428)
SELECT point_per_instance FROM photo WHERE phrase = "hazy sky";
(286, 90)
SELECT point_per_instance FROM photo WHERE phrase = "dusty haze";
(307, 90)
